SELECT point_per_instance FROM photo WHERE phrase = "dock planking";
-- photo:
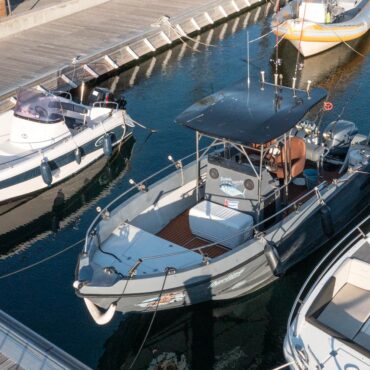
(43, 54)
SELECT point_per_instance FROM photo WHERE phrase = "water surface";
(242, 334)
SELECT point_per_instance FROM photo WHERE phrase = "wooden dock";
(21, 348)
(89, 44)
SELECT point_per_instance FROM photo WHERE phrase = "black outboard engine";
(337, 137)
(103, 97)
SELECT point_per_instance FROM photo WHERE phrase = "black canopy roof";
(250, 115)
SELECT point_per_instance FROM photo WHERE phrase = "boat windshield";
(37, 106)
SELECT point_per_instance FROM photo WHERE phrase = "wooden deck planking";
(178, 232)
(40, 52)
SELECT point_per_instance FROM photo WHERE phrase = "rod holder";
(140, 186)
(177, 164)
(293, 85)
(262, 80)
(308, 88)
(280, 79)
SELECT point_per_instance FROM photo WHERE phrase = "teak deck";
(178, 232)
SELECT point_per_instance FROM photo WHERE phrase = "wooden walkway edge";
(144, 42)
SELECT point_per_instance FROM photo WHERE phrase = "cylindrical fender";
(46, 172)
(78, 155)
(99, 317)
(273, 258)
(107, 145)
(326, 220)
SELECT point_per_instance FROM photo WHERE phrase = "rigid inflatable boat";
(313, 26)
(238, 216)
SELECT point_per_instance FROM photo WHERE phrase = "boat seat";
(347, 311)
(297, 156)
(129, 243)
(219, 224)
(363, 336)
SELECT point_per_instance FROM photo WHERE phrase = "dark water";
(243, 334)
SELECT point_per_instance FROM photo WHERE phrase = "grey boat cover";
(250, 115)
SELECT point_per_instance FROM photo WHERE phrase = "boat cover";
(250, 115)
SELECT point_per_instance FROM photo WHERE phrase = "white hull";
(37, 183)
(332, 326)
(308, 49)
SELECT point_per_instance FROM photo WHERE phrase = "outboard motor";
(105, 98)
(337, 137)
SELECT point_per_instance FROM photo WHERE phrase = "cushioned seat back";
(296, 155)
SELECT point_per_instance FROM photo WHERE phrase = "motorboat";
(35, 217)
(329, 325)
(49, 137)
(314, 26)
(235, 218)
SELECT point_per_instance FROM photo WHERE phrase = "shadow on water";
(325, 69)
(24, 221)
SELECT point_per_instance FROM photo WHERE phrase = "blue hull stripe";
(65, 159)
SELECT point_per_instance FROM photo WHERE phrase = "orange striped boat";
(313, 26)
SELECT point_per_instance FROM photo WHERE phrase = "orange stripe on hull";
(321, 38)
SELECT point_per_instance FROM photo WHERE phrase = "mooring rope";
(348, 45)
(284, 366)
(151, 321)
(42, 261)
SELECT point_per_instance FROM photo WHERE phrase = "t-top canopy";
(250, 115)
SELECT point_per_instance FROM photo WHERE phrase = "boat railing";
(103, 104)
(63, 94)
(356, 234)
(40, 151)
(93, 230)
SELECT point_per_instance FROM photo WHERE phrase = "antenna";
(248, 75)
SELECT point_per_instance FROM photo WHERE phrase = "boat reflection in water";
(212, 336)
(31, 218)
(325, 69)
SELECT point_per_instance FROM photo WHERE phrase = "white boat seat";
(347, 311)
(219, 224)
(129, 243)
(363, 336)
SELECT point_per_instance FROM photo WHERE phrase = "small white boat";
(313, 26)
(48, 137)
(329, 326)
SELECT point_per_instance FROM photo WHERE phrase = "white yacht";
(48, 137)
(329, 326)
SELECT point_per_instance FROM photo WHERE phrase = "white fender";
(99, 317)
